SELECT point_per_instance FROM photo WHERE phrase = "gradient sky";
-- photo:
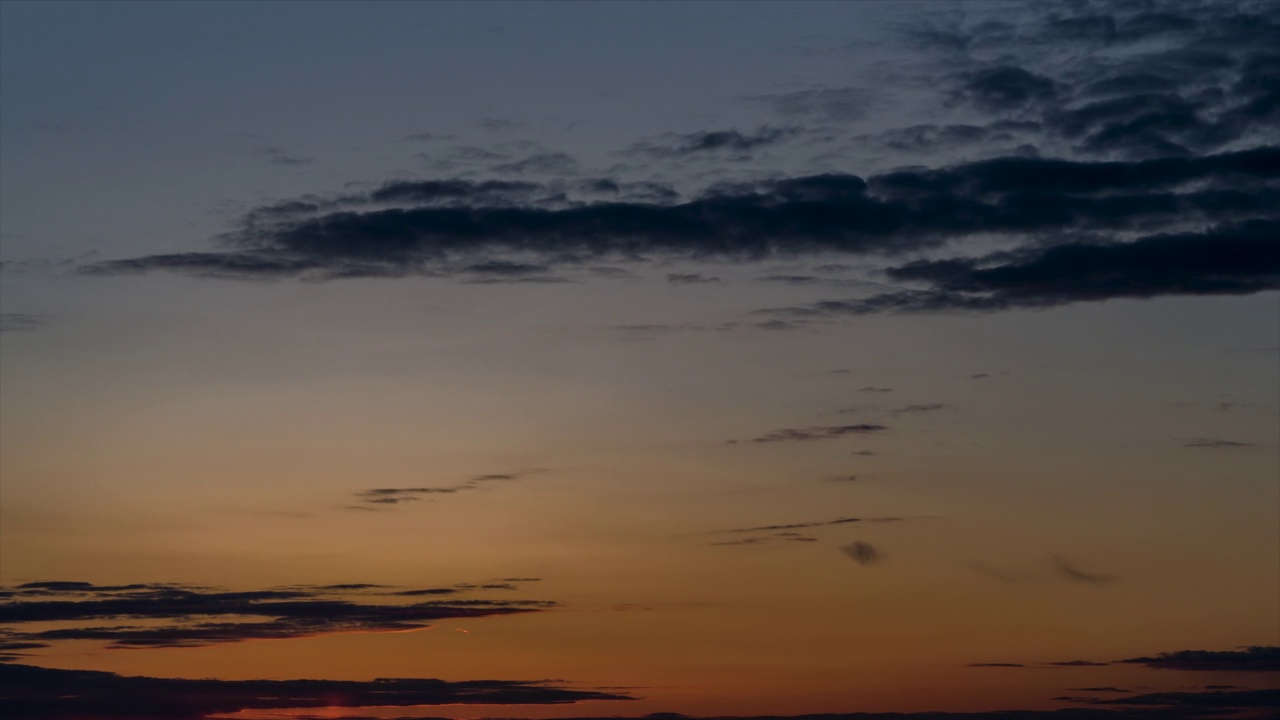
(706, 358)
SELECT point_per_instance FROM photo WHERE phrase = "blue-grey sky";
(737, 358)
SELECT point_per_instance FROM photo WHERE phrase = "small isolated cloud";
(1214, 443)
(863, 453)
(1071, 572)
(870, 389)
(1258, 658)
(843, 479)
(996, 665)
(862, 553)
(827, 432)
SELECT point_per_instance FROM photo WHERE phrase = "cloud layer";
(124, 616)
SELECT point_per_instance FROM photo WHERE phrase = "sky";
(572, 360)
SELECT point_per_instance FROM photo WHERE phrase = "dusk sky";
(570, 359)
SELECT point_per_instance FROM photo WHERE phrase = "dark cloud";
(37, 693)
(795, 526)
(1204, 701)
(446, 226)
(399, 495)
(196, 616)
(719, 141)
(691, 279)
(780, 325)
(1071, 572)
(787, 529)
(1004, 89)
(875, 389)
(1211, 81)
(791, 279)
(862, 553)
(1224, 260)
(1260, 658)
(781, 537)
(828, 432)
(1214, 443)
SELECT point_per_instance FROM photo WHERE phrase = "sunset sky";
(568, 359)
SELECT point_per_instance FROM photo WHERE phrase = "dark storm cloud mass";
(196, 616)
(47, 694)
(827, 432)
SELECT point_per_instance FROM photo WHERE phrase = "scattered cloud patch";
(1258, 658)
(862, 553)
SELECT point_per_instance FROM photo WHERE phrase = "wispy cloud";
(399, 495)
(1215, 443)
(827, 432)
(37, 693)
(195, 616)
(1070, 571)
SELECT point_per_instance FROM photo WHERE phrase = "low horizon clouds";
(198, 616)
(38, 693)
